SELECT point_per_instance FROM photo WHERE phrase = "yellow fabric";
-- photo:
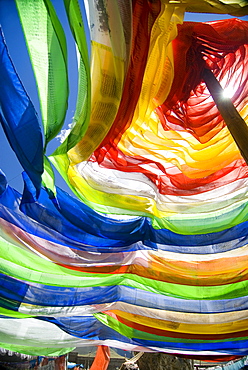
(230, 327)
(232, 7)
(158, 76)
(180, 317)
(107, 76)
(108, 64)
(180, 148)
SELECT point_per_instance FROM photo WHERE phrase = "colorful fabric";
(152, 256)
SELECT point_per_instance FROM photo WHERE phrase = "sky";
(17, 50)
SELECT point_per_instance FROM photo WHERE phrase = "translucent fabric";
(19, 119)
(152, 256)
(234, 7)
(47, 47)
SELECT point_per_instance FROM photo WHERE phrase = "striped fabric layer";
(152, 256)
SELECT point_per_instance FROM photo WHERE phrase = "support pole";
(232, 118)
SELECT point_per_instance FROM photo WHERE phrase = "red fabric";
(222, 47)
(217, 359)
(144, 14)
(173, 181)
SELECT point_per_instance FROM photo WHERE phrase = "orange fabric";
(102, 358)
(178, 272)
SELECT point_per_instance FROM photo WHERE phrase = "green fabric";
(23, 265)
(46, 44)
(82, 113)
(15, 314)
(36, 351)
(48, 179)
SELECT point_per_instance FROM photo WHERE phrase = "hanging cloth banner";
(47, 49)
(21, 125)
(102, 358)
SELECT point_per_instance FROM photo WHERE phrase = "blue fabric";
(90, 229)
(13, 292)
(87, 327)
(3, 182)
(19, 119)
(236, 348)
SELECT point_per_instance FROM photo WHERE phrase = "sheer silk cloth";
(146, 141)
